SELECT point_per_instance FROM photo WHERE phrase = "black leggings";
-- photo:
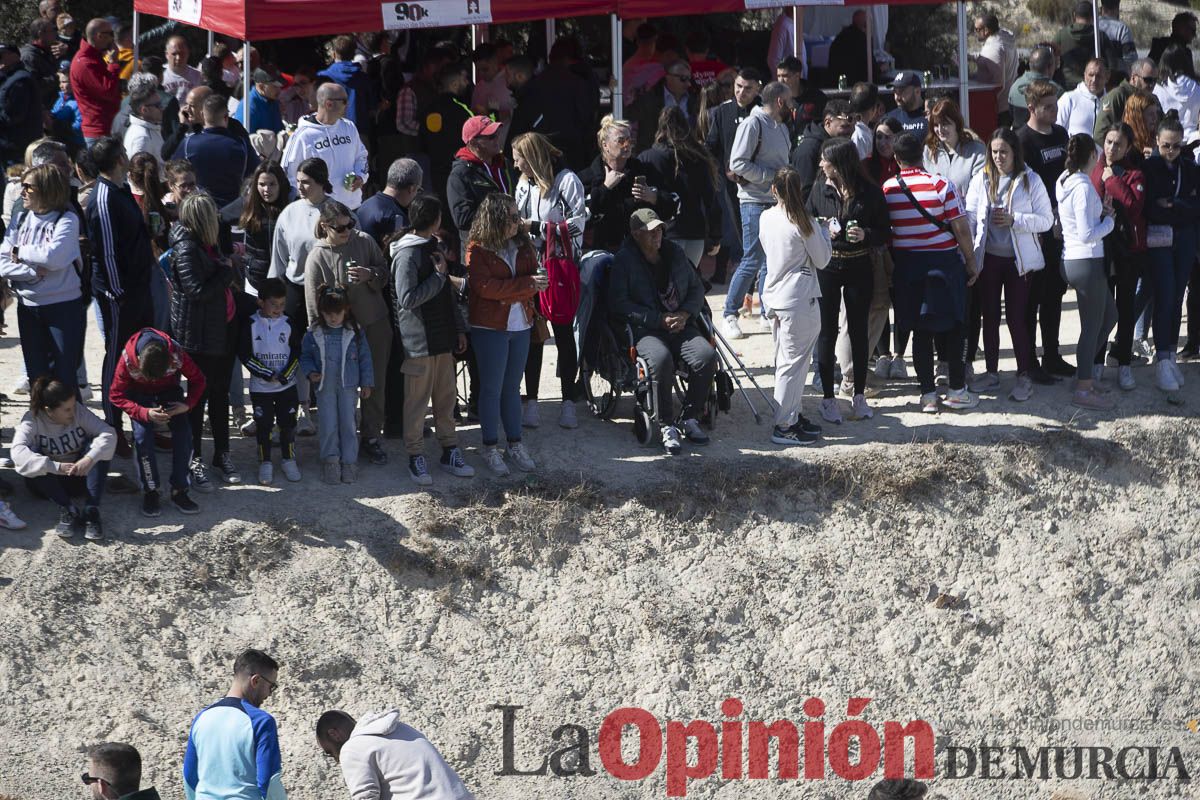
(1123, 281)
(271, 409)
(854, 282)
(568, 363)
(1045, 299)
(217, 370)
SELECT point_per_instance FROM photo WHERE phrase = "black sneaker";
(373, 450)
(1056, 365)
(151, 506)
(1189, 352)
(1041, 377)
(199, 476)
(791, 436)
(184, 503)
(69, 523)
(93, 529)
(807, 425)
(223, 464)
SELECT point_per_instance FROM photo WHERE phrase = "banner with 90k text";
(436, 13)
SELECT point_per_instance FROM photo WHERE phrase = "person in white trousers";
(795, 247)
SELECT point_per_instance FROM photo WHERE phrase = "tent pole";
(212, 40)
(964, 97)
(137, 32)
(618, 44)
(246, 84)
(1096, 26)
(870, 47)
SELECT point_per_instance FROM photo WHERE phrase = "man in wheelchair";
(654, 288)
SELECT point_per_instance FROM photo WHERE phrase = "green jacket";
(1016, 95)
(1112, 109)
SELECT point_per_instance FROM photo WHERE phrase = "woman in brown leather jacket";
(502, 280)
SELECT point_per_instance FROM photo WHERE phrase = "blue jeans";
(160, 301)
(502, 356)
(1170, 268)
(336, 430)
(143, 442)
(52, 339)
(753, 264)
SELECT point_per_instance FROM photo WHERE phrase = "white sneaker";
(898, 371)
(529, 417)
(521, 456)
(961, 399)
(494, 458)
(85, 393)
(830, 411)
(304, 423)
(1178, 372)
(1164, 377)
(883, 366)
(860, 408)
(21, 386)
(566, 417)
(249, 427)
(9, 519)
(291, 470)
(732, 330)
(1125, 378)
(266, 473)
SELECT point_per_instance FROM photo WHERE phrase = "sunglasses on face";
(1150, 81)
(349, 226)
(88, 780)
(27, 187)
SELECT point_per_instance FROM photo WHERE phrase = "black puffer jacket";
(199, 306)
(611, 208)
(693, 186)
(428, 317)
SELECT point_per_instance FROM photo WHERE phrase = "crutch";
(729, 357)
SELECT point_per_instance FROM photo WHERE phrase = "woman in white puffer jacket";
(1007, 207)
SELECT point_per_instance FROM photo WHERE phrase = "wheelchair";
(609, 366)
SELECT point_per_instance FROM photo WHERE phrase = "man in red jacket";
(96, 83)
(147, 386)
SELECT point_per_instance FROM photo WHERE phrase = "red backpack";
(560, 300)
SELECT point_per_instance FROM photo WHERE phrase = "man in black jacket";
(654, 289)
(20, 107)
(676, 88)
(719, 141)
(40, 62)
(221, 159)
(115, 771)
(478, 171)
(1183, 32)
(191, 121)
(806, 155)
(121, 263)
(442, 121)
(848, 54)
(562, 103)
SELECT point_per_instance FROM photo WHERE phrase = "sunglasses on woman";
(349, 226)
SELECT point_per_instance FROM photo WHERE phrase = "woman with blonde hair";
(617, 185)
(796, 248)
(202, 322)
(547, 194)
(503, 275)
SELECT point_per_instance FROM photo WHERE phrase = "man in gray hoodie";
(761, 146)
(384, 759)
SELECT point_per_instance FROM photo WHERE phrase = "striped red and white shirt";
(910, 229)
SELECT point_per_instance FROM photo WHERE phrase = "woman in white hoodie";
(40, 257)
(795, 248)
(1177, 91)
(1086, 220)
(1007, 207)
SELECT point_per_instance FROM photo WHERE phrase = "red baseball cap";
(478, 126)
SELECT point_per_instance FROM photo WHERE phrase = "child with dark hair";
(270, 349)
(335, 356)
(146, 385)
(62, 450)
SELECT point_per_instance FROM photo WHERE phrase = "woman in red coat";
(1115, 176)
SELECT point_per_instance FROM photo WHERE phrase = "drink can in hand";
(348, 181)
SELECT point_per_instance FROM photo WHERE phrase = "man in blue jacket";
(264, 103)
(220, 158)
(349, 74)
(233, 745)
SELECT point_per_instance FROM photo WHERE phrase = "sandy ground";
(616, 576)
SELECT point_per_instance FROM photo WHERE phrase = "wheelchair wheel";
(643, 426)
(601, 394)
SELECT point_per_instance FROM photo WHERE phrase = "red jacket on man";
(96, 85)
(128, 377)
